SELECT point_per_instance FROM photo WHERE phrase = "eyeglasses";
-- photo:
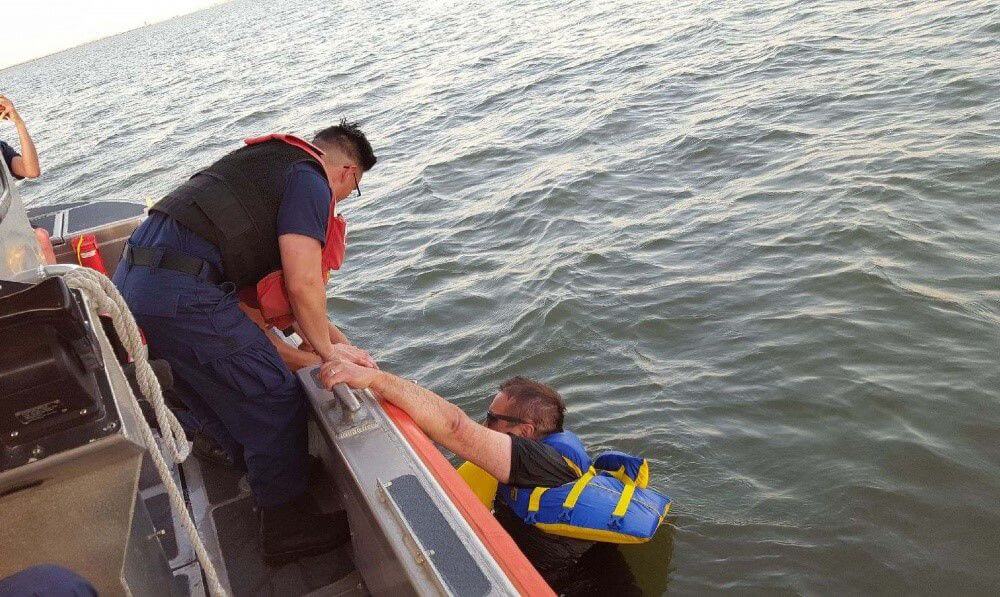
(357, 187)
(492, 417)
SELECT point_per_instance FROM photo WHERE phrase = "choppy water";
(758, 243)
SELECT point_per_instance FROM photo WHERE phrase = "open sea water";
(757, 243)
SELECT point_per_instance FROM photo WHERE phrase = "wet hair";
(348, 138)
(536, 402)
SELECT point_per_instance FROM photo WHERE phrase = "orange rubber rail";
(507, 554)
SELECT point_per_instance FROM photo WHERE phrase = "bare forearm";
(447, 424)
(29, 156)
(309, 307)
(429, 411)
(294, 358)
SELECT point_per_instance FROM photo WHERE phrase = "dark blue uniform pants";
(227, 372)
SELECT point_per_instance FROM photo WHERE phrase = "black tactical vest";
(234, 204)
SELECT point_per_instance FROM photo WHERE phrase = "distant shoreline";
(109, 36)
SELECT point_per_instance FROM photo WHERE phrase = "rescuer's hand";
(352, 354)
(354, 375)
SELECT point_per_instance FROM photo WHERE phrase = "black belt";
(172, 260)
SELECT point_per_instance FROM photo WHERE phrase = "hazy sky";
(33, 28)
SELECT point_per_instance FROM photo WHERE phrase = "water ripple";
(756, 243)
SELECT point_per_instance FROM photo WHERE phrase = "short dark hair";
(349, 138)
(536, 402)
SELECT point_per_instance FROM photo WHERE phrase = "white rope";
(102, 292)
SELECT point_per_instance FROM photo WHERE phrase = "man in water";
(509, 448)
(267, 206)
(25, 163)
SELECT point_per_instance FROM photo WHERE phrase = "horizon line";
(213, 4)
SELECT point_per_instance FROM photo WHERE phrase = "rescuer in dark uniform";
(267, 207)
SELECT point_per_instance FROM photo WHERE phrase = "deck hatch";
(99, 214)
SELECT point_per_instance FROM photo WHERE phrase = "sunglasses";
(492, 417)
(357, 187)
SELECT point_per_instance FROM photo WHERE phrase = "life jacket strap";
(623, 502)
(666, 510)
(534, 504)
(578, 488)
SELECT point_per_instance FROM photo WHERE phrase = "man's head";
(526, 408)
(347, 156)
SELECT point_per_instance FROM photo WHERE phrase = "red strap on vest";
(292, 140)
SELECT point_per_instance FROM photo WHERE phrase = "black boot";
(207, 450)
(298, 529)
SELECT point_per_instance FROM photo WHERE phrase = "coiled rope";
(103, 293)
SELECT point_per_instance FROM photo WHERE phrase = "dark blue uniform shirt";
(9, 153)
(305, 205)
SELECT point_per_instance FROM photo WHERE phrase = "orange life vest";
(269, 294)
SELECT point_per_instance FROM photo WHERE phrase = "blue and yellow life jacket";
(609, 501)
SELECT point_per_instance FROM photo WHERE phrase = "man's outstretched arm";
(441, 420)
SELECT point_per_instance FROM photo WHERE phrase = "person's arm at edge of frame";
(441, 420)
(25, 165)
(28, 161)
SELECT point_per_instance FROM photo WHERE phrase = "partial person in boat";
(260, 223)
(47, 580)
(525, 448)
(23, 164)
